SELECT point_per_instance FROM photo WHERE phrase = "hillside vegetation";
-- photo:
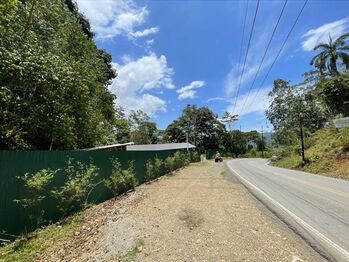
(326, 152)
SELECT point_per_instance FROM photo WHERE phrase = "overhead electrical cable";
(280, 50)
(243, 33)
(248, 47)
(264, 55)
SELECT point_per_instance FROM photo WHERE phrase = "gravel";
(196, 214)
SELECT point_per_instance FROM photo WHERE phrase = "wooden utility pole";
(187, 138)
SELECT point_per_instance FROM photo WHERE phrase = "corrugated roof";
(107, 146)
(156, 147)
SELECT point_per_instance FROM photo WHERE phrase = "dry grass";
(327, 153)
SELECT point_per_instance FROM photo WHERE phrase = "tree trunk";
(334, 65)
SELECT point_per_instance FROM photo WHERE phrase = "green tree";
(294, 109)
(142, 130)
(330, 54)
(200, 124)
(334, 93)
(229, 119)
(53, 80)
(7, 7)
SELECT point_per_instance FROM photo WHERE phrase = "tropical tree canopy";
(332, 54)
(201, 126)
(290, 109)
(53, 78)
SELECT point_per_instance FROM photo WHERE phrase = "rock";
(77, 233)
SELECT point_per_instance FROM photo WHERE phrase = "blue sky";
(172, 53)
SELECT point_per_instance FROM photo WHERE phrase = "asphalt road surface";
(317, 207)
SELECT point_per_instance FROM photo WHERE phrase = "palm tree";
(327, 59)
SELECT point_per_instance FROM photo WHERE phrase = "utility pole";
(262, 144)
(187, 138)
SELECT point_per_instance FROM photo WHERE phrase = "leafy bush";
(178, 163)
(120, 180)
(169, 164)
(253, 152)
(185, 158)
(73, 194)
(36, 185)
(158, 167)
(149, 171)
(195, 157)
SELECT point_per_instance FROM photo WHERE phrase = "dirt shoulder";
(197, 214)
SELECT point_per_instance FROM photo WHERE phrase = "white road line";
(341, 250)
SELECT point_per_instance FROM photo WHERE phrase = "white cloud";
(189, 91)
(145, 32)
(137, 77)
(253, 103)
(150, 42)
(232, 80)
(110, 18)
(217, 99)
(321, 34)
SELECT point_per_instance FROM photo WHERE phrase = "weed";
(36, 185)
(120, 180)
(27, 249)
(72, 195)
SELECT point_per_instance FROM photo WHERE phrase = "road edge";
(320, 243)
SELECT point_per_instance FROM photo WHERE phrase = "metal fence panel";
(13, 164)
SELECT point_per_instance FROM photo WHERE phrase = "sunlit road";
(316, 206)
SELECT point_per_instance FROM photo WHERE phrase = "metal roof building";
(114, 147)
(159, 147)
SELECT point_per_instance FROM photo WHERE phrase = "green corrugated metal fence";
(14, 220)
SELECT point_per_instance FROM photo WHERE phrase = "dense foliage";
(205, 130)
(201, 126)
(53, 79)
(297, 112)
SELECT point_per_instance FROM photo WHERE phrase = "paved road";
(316, 206)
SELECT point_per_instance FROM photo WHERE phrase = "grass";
(28, 248)
(132, 253)
(327, 153)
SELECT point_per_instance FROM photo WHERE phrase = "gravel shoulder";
(196, 214)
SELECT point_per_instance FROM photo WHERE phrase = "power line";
(243, 33)
(264, 55)
(248, 47)
(280, 50)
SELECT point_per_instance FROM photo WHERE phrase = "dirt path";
(198, 214)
